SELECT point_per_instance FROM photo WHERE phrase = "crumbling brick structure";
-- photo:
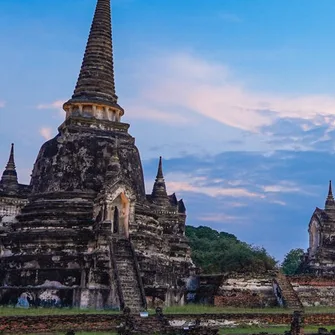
(89, 229)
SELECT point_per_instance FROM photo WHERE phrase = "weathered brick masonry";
(105, 322)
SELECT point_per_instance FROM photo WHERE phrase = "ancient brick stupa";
(90, 236)
(320, 256)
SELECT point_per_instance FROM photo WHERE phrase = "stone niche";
(116, 207)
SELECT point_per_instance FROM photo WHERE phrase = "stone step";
(127, 274)
(132, 298)
(290, 297)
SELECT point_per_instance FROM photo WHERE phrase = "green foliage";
(292, 261)
(217, 252)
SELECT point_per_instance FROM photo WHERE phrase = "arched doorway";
(119, 215)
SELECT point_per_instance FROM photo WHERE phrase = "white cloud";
(139, 112)
(221, 218)
(282, 187)
(179, 182)
(58, 104)
(183, 82)
(55, 105)
(46, 133)
(177, 186)
(279, 202)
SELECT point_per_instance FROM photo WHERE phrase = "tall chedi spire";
(330, 202)
(9, 176)
(159, 194)
(94, 95)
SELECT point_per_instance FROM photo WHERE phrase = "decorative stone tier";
(93, 121)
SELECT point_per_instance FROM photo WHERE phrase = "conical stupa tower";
(94, 95)
(9, 177)
(90, 170)
(90, 233)
(330, 202)
(159, 194)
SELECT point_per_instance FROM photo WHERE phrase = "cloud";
(279, 202)
(186, 83)
(55, 105)
(211, 191)
(222, 218)
(46, 133)
(58, 104)
(138, 112)
(2, 104)
(179, 182)
(282, 187)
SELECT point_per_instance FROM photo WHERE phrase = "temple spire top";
(160, 169)
(159, 194)
(330, 191)
(9, 176)
(96, 85)
(330, 202)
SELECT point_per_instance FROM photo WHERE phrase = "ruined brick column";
(297, 323)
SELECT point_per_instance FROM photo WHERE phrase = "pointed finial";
(96, 84)
(330, 191)
(9, 176)
(11, 163)
(159, 193)
(160, 169)
(330, 202)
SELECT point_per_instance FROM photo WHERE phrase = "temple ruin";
(320, 256)
(84, 233)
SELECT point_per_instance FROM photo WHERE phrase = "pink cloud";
(177, 186)
(184, 82)
(46, 133)
(282, 187)
(222, 218)
(150, 113)
(58, 104)
(55, 105)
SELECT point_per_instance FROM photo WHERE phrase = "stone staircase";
(130, 282)
(285, 293)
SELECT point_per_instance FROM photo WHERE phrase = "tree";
(292, 261)
(216, 252)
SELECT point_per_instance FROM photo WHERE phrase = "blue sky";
(237, 96)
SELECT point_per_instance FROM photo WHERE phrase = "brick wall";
(104, 322)
(246, 291)
(314, 291)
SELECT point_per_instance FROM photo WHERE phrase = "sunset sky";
(237, 96)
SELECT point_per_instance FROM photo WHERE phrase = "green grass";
(255, 330)
(201, 309)
(13, 311)
(320, 309)
(187, 309)
(270, 330)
